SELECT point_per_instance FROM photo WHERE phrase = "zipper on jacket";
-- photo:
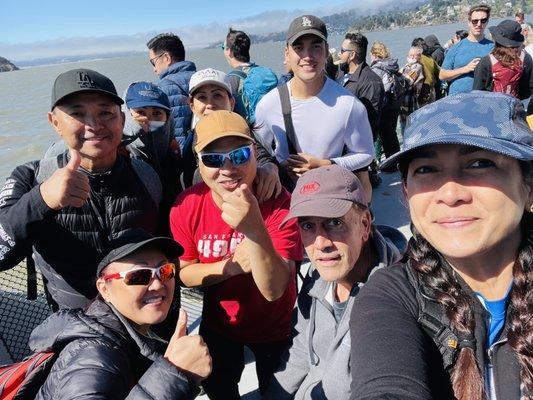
(490, 354)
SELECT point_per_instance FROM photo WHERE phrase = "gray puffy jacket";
(103, 357)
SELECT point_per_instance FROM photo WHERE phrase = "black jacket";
(103, 357)
(393, 358)
(483, 77)
(68, 244)
(367, 86)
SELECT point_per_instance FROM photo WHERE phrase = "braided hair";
(436, 274)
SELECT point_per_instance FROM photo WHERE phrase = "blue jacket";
(174, 81)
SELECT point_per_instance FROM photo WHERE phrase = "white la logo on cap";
(306, 21)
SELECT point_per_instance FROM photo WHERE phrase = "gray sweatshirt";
(316, 365)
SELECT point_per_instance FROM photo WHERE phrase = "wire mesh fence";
(18, 315)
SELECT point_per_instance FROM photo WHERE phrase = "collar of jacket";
(180, 66)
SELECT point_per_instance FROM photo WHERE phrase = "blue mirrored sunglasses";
(238, 156)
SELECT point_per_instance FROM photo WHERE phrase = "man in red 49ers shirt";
(234, 249)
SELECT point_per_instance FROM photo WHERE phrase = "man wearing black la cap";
(314, 106)
(65, 209)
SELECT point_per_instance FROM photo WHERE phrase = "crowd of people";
(222, 181)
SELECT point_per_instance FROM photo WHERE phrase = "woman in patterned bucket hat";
(454, 321)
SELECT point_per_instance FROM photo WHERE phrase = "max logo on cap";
(306, 21)
(310, 188)
(85, 80)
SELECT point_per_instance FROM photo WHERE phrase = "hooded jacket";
(174, 81)
(434, 49)
(316, 365)
(103, 357)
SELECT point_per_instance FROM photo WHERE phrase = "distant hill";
(6, 65)
(411, 13)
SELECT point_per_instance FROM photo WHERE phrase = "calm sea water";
(25, 94)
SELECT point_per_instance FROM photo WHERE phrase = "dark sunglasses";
(477, 21)
(238, 156)
(343, 50)
(143, 276)
(153, 60)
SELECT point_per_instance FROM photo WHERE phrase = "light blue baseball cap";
(488, 120)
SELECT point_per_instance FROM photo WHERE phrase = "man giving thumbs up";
(68, 208)
(235, 249)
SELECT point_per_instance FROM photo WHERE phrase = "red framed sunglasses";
(143, 276)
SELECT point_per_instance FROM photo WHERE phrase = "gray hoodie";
(316, 365)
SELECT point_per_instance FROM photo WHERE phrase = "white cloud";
(192, 36)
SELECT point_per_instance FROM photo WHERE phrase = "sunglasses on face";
(143, 276)
(153, 60)
(343, 50)
(238, 156)
(477, 21)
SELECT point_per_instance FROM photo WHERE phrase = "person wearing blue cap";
(454, 321)
(150, 137)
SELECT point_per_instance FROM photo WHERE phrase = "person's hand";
(240, 210)
(142, 120)
(188, 353)
(303, 162)
(471, 65)
(267, 183)
(67, 186)
(240, 262)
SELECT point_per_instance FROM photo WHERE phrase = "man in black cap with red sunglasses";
(67, 208)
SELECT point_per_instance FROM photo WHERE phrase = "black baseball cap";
(306, 25)
(137, 239)
(82, 80)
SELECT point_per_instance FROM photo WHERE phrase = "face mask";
(155, 125)
(411, 60)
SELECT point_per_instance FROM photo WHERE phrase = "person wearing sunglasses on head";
(454, 320)
(461, 59)
(236, 251)
(108, 351)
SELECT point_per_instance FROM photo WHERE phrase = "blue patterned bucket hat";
(490, 121)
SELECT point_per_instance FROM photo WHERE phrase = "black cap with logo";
(135, 240)
(82, 80)
(306, 25)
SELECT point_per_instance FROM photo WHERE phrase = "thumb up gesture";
(67, 186)
(188, 353)
(240, 210)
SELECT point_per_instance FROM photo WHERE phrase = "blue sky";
(23, 21)
(39, 29)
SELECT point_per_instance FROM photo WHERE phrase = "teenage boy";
(67, 208)
(330, 124)
(344, 249)
(235, 249)
(461, 60)
(166, 53)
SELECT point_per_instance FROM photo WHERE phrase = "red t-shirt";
(235, 308)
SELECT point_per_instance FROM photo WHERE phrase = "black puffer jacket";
(434, 49)
(68, 244)
(103, 357)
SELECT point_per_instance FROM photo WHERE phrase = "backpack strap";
(149, 178)
(286, 110)
(430, 318)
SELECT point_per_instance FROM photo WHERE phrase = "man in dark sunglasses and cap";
(66, 209)
(235, 249)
